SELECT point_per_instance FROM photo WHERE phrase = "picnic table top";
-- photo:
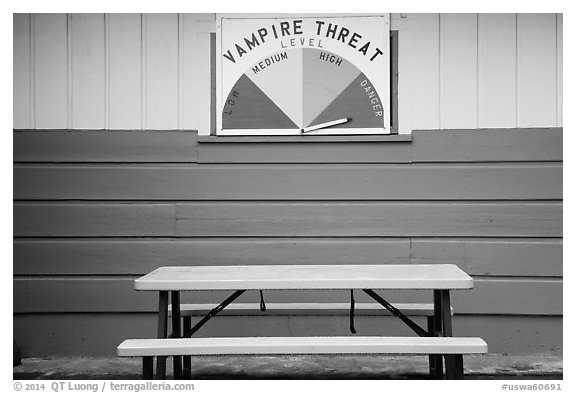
(176, 278)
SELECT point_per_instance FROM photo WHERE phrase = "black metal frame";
(438, 325)
(188, 333)
(397, 313)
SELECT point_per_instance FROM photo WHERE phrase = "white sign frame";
(223, 89)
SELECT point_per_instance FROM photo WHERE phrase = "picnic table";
(436, 340)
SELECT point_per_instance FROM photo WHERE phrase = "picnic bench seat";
(446, 346)
(244, 309)
(189, 311)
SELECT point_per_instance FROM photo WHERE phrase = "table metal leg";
(432, 359)
(456, 368)
(459, 367)
(162, 332)
(447, 332)
(187, 371)
(176, 332)
(437, 329)
(147, 367)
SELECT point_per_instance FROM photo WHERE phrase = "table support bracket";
(397, 313)
(213, 313)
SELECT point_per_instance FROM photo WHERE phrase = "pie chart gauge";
(302, 87)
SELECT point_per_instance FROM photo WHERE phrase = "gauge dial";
(302, 88)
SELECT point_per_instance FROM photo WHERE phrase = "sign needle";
(325, 125)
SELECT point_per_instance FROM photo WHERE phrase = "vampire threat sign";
(303, 75)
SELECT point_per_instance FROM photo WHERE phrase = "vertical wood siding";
(479, 70)
(497, 70)
(160, 37)
(152, 71)
(88, 73)
(458, 71)
(124, 71)
(22, 65)
(419, 71)
(559, 59)
(51, 72)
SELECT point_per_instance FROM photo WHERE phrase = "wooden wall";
(152, 71)
(95, 209)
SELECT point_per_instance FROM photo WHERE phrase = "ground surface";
(491, 366)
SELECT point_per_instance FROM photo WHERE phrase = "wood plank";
(161, 77)
(306, 138)
(298, 152)
(537, 70)
(372, 219)
(94, 220)
(496, 70)
(300, 345)
(486, 257)
(204, 70)
(101, 146)
(190, 64)
(458, 71)
(22, 90)
(125, 71)
(349, 219)
(512, 296)
(500, 145)
(88, 71)
(51, 71)
(418, 82)
(302, 182)
(500, 257)
(40, 335)
(139, 256)
(559, 68)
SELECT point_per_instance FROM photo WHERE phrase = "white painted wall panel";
(418, 66)
(22, 72)
(536, 70)
(206, 26)
(190, 64)
(458, 71)
(559, 68)
(496, 70)
(88, 71)
(161, 71)
(125, 71)
(51, 71)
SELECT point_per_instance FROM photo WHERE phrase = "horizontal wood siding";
(89, 256)
(488, 145)
(116, 294)
(311, 182)
(105, 146)
(498, 257)
(39, 334)
(95, 209)
(305, 219)
(337, 152)
(502, 145)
